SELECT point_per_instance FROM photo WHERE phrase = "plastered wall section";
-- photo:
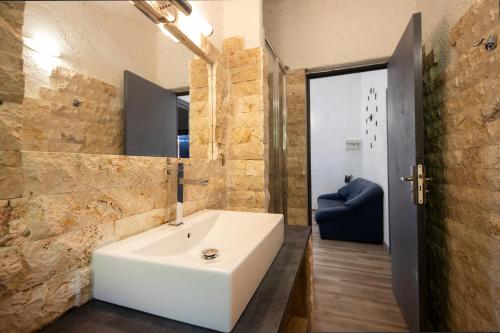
(335, 117)
(462, 135)
(374, 135)
(101, 39)
(296, 141)
(316, 33)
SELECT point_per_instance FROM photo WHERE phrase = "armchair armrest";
(332, 196)
(334, 212)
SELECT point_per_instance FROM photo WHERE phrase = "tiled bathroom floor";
(352, 288)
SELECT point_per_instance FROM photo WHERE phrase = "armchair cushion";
(326, 203)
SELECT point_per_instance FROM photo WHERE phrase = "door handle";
(412, 180)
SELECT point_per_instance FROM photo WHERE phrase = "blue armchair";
(354, 213)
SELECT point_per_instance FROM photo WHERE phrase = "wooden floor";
(352, 288)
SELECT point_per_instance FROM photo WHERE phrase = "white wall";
(172, 63)
(231, 18)
(335, 117)
(339, 112)
(213, 12)
(244, 18)
(374, 134)
(91, 39)
(315, 33)
(104, 38)
(101, 39)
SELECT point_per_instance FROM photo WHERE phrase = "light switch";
(352, 144)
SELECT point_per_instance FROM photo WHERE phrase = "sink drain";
(209, 254)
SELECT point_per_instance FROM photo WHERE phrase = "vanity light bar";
(150, 13)
(154, 13)
(167, 33)
(184, 6)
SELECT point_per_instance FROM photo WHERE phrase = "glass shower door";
(276, 133)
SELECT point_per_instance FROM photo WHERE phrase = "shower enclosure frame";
(277, 119)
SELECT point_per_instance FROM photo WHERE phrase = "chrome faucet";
(180, 192)
(180, 195)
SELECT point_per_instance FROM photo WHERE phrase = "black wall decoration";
(371, 122)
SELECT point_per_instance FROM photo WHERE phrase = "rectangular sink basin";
(163, 271)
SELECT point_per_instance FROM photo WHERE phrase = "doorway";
(341, 223)
(347, 141)
(348, 133)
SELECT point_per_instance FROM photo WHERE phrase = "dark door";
(150, 118)
(406, 174)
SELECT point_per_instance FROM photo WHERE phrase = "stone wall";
(63, 194)
(69, 205)
(239, 125)
(199, 117)
(57, 206)
(11, 95)
(462, 135)
(81, 115)
(247, 128)
(212, 196)
(296, 135)
(11, 49)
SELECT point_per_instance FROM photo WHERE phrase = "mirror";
(103, 78)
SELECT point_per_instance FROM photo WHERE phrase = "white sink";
(162, 271)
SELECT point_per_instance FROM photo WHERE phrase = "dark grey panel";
(150, 118)
(405, 149)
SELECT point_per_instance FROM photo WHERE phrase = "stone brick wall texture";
(80, 115)
(199, 117)
(65, 190)
(462, 136)
(247, 128)
(240, 125)
(58, 203)
(67, 206)
(62, 192)
(11, 50)
(296, 148)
